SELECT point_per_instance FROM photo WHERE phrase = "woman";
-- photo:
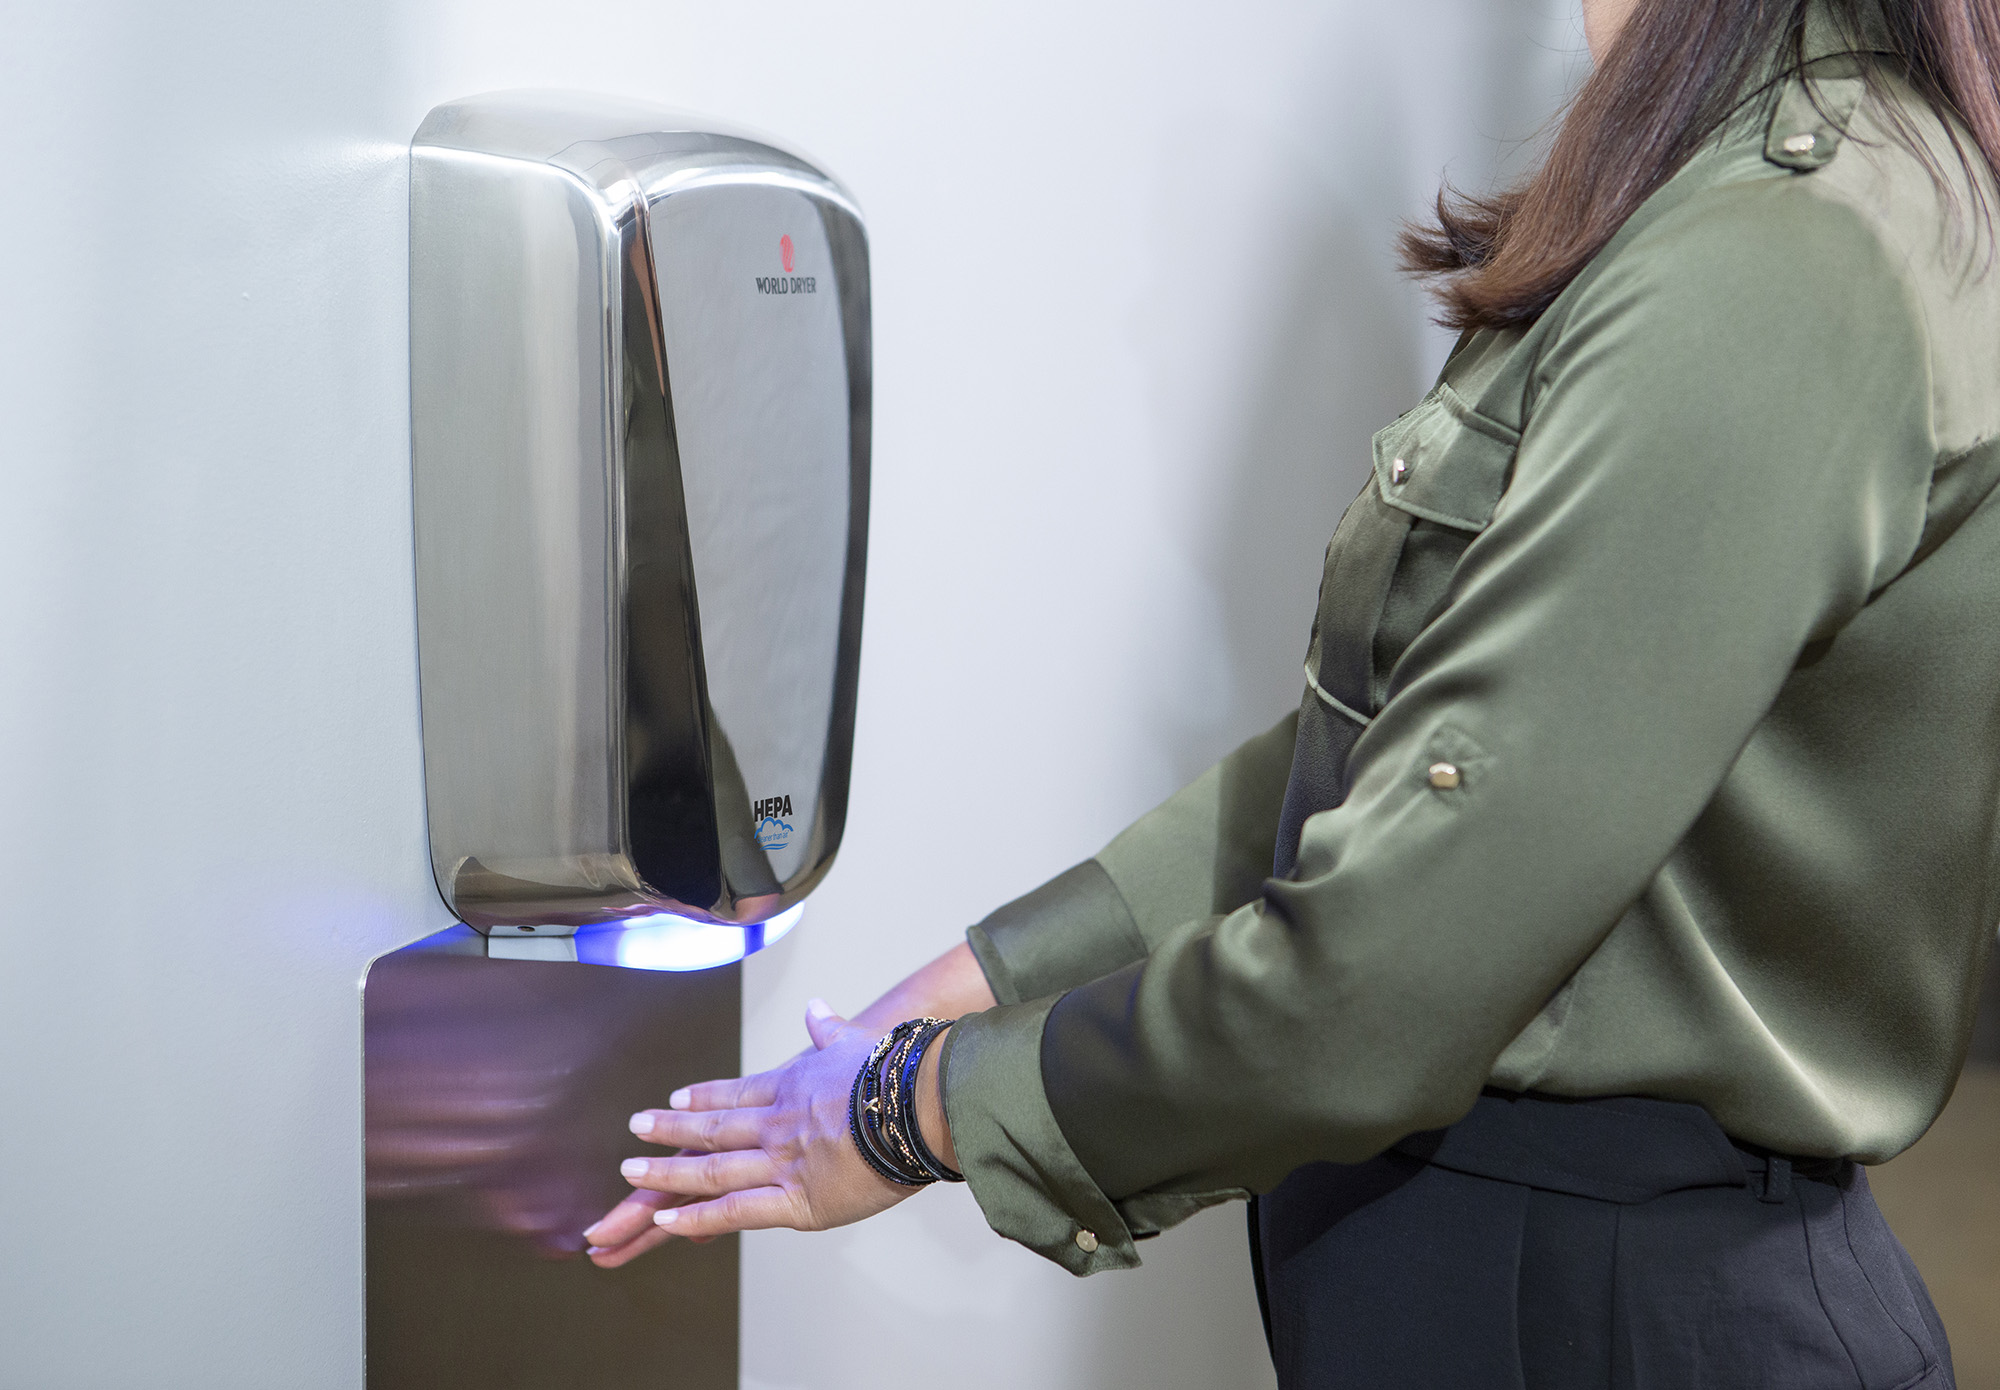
(1634, 842)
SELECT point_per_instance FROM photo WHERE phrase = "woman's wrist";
(931, 1119)
(949, 986)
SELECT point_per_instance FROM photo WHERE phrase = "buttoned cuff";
(1075, 927)
(1028, 1183)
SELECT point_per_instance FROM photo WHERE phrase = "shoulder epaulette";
(1811, 119)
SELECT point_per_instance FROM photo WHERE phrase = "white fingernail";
(590, 1233)
(819, 1008)
(680, 1100)
(633, 1168)
(597, 1250)
(642, 1123)
(667, 1217)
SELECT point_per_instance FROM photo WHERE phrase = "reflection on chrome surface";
(497, 1094)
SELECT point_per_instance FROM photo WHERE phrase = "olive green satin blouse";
(1650, 742)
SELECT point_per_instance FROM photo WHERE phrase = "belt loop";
(1777, 1179)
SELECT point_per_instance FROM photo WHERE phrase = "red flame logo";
(785, 252)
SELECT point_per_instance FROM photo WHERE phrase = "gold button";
(1398, 471)
(1444, 776)
(1800, 144)
(1086, 1241)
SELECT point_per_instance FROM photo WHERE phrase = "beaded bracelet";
(881, 1107)
(907, 1109)
(865, 1101)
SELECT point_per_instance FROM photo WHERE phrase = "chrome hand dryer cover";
(640, 390)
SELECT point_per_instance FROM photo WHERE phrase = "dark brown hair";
(1676, 72)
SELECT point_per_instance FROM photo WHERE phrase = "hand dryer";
(640, 391)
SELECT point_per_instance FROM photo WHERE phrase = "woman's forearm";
(950, 986)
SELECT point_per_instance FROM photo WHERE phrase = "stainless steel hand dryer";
(640, 390)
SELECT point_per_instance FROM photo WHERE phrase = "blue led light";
(782, 923)
(665, 941)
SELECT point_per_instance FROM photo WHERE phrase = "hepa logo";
(771, 806)
(787, 283)
(773, 817)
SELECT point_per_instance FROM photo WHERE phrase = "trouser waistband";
(1615, 1149)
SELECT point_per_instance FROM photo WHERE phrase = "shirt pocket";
(1439, 473)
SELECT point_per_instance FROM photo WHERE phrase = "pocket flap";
(1445, 462)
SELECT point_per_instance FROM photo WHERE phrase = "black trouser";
(1552, 1245)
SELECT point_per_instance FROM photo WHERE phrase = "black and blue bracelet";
(906, 1108)
(864, 1106)
(881, 1107)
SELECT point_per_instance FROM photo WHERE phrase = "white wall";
(1134, 323)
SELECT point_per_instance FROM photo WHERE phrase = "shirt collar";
(1828, 33)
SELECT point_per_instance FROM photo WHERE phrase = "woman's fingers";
(737, 1093)
(701, 1175)
(712, 1131)
(628, 1232)
(758, 1209)
(823, 1025)
(631, 1217)
(612, 1256)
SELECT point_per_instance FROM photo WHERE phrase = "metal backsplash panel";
(497, 1098)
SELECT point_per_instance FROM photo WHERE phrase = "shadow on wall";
(1345, 360)
(1350, 347)
(210, 665)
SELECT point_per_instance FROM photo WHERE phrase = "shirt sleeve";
(1206, 849)
(1727, 451)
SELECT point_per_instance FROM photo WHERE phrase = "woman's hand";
(952, 985)
(767, 1150)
